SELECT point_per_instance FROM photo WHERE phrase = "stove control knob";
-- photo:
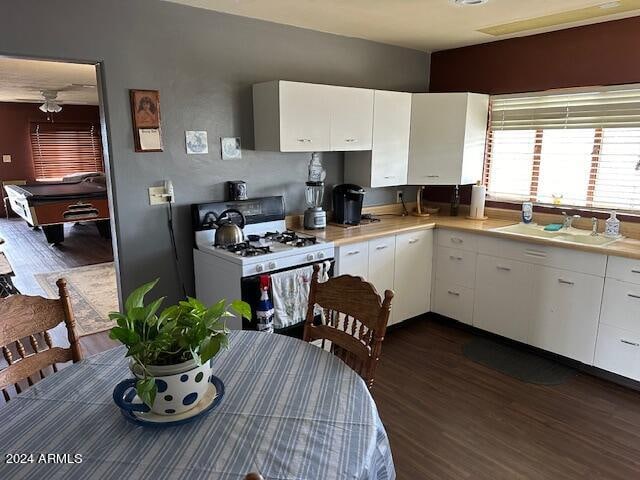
(259, 268)
(272, 265)
(310, 256)
(320, 255)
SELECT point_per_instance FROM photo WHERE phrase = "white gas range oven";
(234, 272)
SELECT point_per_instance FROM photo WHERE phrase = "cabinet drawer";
(453, 301)
(354, 260)
(625, 269)
(618, 351)
(458, 239)
(621, 305)
(557, 257)
(456, 266)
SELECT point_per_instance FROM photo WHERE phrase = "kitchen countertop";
(394, 224)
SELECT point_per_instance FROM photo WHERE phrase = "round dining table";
(290, 410)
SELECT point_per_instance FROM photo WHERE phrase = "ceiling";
(23, 80)
(427, 25)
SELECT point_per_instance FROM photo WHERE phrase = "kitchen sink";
(564, 235)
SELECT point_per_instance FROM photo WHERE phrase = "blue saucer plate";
(209, 401)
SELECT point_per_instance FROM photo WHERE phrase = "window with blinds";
(60, 149)
(575, 148)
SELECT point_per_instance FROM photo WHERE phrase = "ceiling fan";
(50, 105)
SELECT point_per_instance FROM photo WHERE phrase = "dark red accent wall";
(605, 53)
(15, 119)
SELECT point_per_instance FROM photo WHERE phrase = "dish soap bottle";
(612, 226)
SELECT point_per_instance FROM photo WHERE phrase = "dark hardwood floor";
(450, 418)
(29, 253)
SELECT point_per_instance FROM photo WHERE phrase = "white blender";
(315, 217)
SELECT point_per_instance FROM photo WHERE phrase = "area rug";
(525, 366)
(93, 294)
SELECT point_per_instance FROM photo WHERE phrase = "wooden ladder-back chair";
(22, 317)
(354, 320)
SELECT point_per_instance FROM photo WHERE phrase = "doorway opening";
(56, 213)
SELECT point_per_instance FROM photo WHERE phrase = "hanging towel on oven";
(290, 292)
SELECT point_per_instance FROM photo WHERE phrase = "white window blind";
(575, 148)
(59, 149)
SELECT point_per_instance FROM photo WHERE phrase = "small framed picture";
(196, 142)
(230, 147)
(145, 113)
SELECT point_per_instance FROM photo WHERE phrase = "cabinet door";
(382, 253)
(503, 297)
(437, 138)
(391, 124)
(305, 117)
(351, 118)
(618, 351)
(453, 301)
(412, 276)
(565, 312)
(353, 260)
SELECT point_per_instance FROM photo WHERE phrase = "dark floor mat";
(525, 366)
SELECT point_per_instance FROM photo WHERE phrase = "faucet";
(568, 220)
(594, 226)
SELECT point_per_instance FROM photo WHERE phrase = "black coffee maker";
(347, 203)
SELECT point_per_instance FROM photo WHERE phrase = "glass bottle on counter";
(455, 202)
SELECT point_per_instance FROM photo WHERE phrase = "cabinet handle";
(505, 269)
(632, 295)
(635, 271)
(414, 240)
(431, 176)
(634, 344)
(455, 294)
(349, 140)
(381, 247)
(304, 140)
(565, 282)
(453, 257)
(535, 253)
(457, 240)
(389, 176)
(353, 252)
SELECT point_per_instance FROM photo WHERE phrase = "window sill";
(625, 216)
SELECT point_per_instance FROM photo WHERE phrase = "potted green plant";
(171, 351)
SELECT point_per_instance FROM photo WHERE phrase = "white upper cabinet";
(351, 118)
(306, 117)
(448, 133)
(291, 117)
(387, 163)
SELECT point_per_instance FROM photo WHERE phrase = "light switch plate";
(6, 158)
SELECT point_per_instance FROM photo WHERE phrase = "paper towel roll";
(478, 193)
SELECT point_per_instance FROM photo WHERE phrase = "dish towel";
(290, 293)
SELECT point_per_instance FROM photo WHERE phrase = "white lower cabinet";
(401, 263)
(565, 311)
(453, 301)
(618, 351)
(503, 302)
(353, 260)
(412, 274)
(618, 345)
(382, 259)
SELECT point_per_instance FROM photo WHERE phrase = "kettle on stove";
(227, 232)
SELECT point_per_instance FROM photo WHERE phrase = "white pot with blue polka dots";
(176, 392)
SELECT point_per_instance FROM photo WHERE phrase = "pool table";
(51, 205)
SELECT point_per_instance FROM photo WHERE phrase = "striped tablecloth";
(290, 411)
